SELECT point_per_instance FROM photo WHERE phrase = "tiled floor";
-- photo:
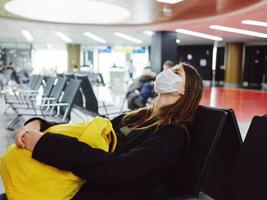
(246, 104)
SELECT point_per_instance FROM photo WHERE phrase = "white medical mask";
(167, 82)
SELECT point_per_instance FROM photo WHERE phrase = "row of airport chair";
(94, 78)
(217, 163)
(85, 97)
(61, 96)
(23, 94)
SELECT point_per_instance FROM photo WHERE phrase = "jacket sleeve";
(97, 166)
(44, 124)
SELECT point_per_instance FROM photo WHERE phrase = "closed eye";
(177, 71)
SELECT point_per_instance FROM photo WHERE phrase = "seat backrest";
(248, 179)
(87, 92)
(49, 85)
(96, 79)
(33, 80)
(58, 87)
(69, 95)
(36, 82)
(68, 75)
(187, 175)
(225, 155)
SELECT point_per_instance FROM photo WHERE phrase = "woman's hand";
(30, 139)
(27, 138)
(35, 124)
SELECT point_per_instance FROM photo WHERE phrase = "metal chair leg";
(13, 123)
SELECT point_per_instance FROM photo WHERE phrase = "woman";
(150, 141)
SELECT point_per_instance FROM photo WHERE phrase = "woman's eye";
(177, 72)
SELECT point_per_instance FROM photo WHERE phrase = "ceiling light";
(70, 11)
(178, 41)
(63, 37)
(255, 23)
(27, 35)
(95, 37)
(127, 37)
(197, 34)
(150, 33)
(170, 1)
(240, 31)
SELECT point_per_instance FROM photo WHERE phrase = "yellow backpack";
(28, 179)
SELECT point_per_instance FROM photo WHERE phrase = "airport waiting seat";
(185, 179)
(63, 106)
(96, 79)
(90, 102)
(22, 95)
(31, 101)
(34, 110)
(222, 161)
(249, 177)
(86, 97)
(68, 76)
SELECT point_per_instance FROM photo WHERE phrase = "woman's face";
(179, 70)
(175, 96)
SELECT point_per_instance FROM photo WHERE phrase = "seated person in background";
(135, 88)
(150, 141)
(147, 91)
(167, 65)
(12, 72)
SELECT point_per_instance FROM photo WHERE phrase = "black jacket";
(132, 172)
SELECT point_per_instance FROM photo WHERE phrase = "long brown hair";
(181, 112)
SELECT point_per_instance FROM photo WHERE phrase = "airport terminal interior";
(70, 61)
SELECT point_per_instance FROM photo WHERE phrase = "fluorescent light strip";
(27, 35)
(198, 34)
(150, 33)
(127, 37)
(170, 1)
(239, 31)
(95, 37)
(63, 37)
(254, 23)
(178, 41)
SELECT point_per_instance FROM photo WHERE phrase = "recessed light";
(150, 33)
(95, 37)
(170, 1)
(178, 41)
(27, 35)
(63, 37)
(239, 31)
(254, 22)
(198, 34)
(128, 37)
(68, 11)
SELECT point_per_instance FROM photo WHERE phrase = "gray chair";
(63, 106)
(53, 97)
